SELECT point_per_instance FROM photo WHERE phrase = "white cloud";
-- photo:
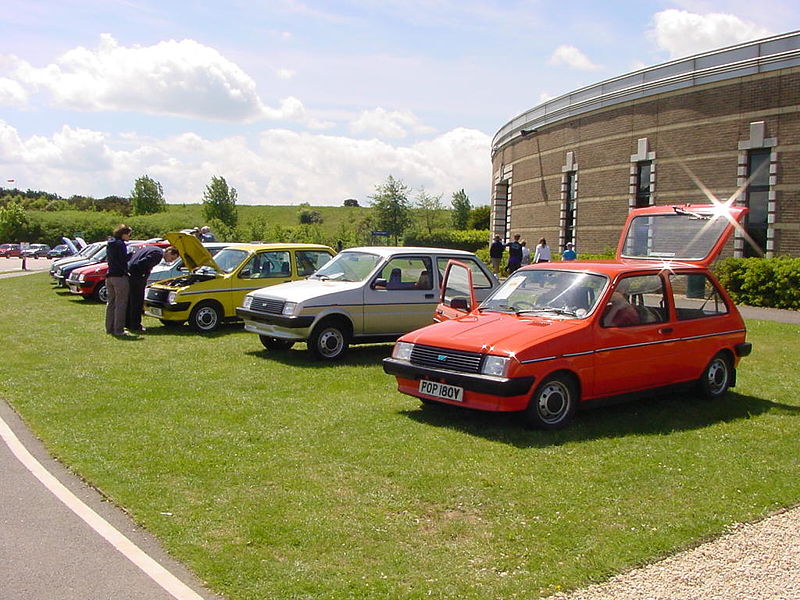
(683, 33)
(573, 58)
(383, 123)
(12, 93)
(280, 167)
(285, 73)
(179, 78)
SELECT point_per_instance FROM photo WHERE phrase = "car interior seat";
(395, 279)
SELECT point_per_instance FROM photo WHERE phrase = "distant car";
(36, 251)
(162, 271)
(9, 250)
(558, 334)
(369, 294)
(60, 251)
(60, 270)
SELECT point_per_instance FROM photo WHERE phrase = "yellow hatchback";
(216, 285)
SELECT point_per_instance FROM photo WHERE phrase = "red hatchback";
(9, 250)
(558, 334)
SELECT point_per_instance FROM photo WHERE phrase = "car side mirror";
(245, 273)
(460, 303)
(380, 283)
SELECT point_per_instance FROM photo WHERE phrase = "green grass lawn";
(274, 476)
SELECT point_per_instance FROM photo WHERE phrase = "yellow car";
(215, 286)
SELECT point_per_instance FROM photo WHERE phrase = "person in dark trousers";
(140, 264)
(514, 254)
(496, 254)
(117, 280)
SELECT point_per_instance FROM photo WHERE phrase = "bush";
(470, 240)
(767, 282)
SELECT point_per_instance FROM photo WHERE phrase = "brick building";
(725, 122)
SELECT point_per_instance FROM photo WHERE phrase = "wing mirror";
(380, 283)
(460, 303)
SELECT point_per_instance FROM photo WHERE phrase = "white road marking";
(176, 588)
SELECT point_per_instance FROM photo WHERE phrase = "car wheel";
(717, 377)
(205, 317)
(553, 403)
(329, 340)
(271, 343)
(101, 293)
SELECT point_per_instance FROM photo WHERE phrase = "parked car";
(555, 335)
(36, 251)
(59, 251)
(177, 268)
(9, 250)
(61, 269)
(89, 281)
(369, 294)
(216, 285)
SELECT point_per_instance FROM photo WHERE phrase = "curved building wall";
(721, 122)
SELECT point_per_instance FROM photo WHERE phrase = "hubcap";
(330, 342)
(207, 318)
(717, 376)
(553, 402)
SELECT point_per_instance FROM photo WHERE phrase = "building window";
(569, 208)
(644, 170)
(757, 200)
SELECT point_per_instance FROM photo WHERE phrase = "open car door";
(457, 294)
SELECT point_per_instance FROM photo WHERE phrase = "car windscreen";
(348, 266)
(540, 291)
(229, 258)
(683, 235)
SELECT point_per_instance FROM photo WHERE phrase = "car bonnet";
(192, 251)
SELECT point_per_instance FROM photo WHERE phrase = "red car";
(555, 335)
(9, 250)
(90, 281)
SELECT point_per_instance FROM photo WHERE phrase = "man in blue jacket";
(117, 280)
(140, 264)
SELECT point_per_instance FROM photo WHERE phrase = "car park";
(556, 335)
(59, 251)
(60, 270)
(210, 293)
(35, 251)
(9, 250)
(368, 294)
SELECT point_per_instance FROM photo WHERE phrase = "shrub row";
(470, 240)
(767, 282)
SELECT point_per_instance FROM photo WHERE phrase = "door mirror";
(460, 303)
(380, 283)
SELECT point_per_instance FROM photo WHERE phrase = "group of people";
(126, 280)
(519, 254)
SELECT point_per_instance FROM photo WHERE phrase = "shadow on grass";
(362, 355)
(655, 415)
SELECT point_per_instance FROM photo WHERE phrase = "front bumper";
(505, 387)
(289, 322)
(167, 311)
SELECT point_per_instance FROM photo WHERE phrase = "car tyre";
(329, 340)
(553, 404)
(101, 293)
(717, 377)
(271, 343)
(205, 317)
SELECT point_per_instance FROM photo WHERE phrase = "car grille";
(267, 305)
(454, 360)
(73, 276)
(157, 295)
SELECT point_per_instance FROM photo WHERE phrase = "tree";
(219, 202)
(430, 210)
(13, 221)
(479, 217)
(306, 215)
(147, 196)
(351, 202)
(392, 210)
(461, 209)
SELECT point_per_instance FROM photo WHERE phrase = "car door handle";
(665, 330)
(428, 295)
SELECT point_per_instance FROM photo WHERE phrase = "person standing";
(496, 254)
(526, 254)
(514, 254)
(206, 235)
(542, 253)
(117, 280)
(140, 264)
(569, 252)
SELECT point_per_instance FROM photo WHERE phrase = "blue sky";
(313, 101)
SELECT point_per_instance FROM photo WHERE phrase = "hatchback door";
(457, 294)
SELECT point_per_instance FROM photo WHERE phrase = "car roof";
(392, 250)
(275, 246)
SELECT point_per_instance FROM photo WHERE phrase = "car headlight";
(248, 300)
(289, 308)
(172, 297)
(402, 351)
(496, 365)
(81, 278)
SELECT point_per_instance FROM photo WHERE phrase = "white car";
(363, 295)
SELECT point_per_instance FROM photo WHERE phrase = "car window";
(348, 266)
(229, 258)
(308, 261)
(636, 300)
(407, 273)
(696, 296)
(266, 265)
(479, 278)
(570, 293)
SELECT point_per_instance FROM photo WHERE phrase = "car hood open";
(192, 251)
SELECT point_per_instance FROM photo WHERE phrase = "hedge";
(767, 282)
(470, 240)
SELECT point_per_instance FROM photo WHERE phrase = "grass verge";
(275, 476)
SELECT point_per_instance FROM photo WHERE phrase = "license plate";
(441, 390)
(155, 311)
